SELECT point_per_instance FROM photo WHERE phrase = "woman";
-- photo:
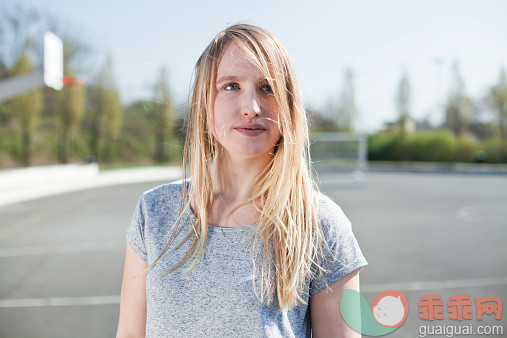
(246, 246)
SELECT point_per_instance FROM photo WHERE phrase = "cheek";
(221, 108)
(275, 116)
(219, 118)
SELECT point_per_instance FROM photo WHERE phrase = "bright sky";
(375, 38)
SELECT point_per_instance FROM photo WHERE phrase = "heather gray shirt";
(217, 299)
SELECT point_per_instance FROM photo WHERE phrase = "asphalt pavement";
(62, 256)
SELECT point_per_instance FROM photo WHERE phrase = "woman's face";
(245, 116)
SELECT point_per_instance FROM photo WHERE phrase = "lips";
(251, 129)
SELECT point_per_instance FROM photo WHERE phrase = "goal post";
(340, 151)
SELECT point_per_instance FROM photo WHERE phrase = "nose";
(250, 105)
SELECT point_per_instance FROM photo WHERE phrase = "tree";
(403, 100)
(498, 102)
(70, 103)
(20, 29)
(21, 52)
(322, 121)
(106, 113)
(164, 117)
(113, 122)
(347, 111)
(27, 108)
(460, 108)
(71, 110)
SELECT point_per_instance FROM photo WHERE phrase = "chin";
(251, 154)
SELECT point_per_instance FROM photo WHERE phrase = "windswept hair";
(288, 228)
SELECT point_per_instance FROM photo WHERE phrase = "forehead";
(235, 61)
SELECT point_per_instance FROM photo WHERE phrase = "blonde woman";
(246, 246)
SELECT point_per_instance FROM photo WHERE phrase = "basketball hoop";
(53, 64)
(73, 81)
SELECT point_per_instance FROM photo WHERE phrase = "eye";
(231, 86)
(267, 88)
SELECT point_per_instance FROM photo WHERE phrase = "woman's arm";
(132, 322)
(325, 309)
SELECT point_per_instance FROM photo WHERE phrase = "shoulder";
(163, 196)
(330, 213)
(341, 252)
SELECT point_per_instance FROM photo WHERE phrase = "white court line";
(469, 213)
(60, 249)
(433, 285)
(60, 301)
(45, 214)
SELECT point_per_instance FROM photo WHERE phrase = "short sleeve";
(135, 232)
(343, 255)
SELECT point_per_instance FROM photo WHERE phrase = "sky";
(378, 40)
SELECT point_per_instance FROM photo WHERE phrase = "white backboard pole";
(17, 85)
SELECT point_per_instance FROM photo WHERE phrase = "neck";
(234, 179)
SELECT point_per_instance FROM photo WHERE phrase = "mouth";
(251, 127)
(251, 131)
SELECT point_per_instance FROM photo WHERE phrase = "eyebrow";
(234, 78)
(228, 78)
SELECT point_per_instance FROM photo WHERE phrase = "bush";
(384, 146)
(11, 147)
(495, 151)
(433, 146)
(466, 150)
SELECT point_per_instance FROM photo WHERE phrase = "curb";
(440, 168)
(18, 185)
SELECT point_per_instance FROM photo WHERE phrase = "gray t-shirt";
(216, 298)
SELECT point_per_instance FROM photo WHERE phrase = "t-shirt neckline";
(213, 227)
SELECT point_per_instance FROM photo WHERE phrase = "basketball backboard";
(53, 61)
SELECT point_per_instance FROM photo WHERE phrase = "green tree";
(113, 122)
(20, 53)
(164, 117)
(21, 30)
(94, 94)
(106, 114)
(460, 108)
(347, 111)
(27, 108)
(71, 110)
(403, 100)
(498, 102)
(71, 105)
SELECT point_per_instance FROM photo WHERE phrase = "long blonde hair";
(284, 193)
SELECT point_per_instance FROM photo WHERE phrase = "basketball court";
(61, 257)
